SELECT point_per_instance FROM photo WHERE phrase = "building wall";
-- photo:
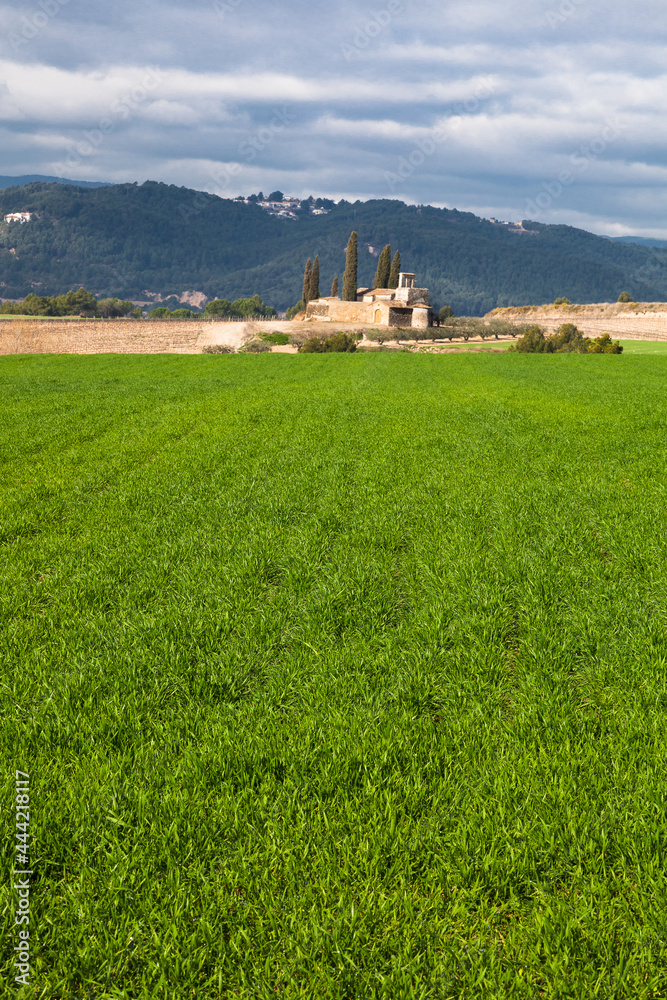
(383, 312)
(400, 317)
(317, 310)
(337, 311)
(412, 296)
(422, 317)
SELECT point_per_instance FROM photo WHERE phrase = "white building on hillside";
(19, 217)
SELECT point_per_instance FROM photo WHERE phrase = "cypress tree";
(350, 276)
(383, 270)
(314, 290)
(334, 287)
(306, 283)
(395, 270)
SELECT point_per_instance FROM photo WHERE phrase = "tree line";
(85, 304)
(252, 308)
(79, 303)
(386, 276)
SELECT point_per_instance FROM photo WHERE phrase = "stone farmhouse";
(403, 306)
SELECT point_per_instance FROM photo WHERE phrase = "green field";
(629, 346)
(337, 676)
(644, 346)
(634, 346)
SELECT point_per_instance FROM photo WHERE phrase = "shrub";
(502, 328)
(521, 328)
(112, 308)
(338, 343)
(603, 345)
(568, 340)
(218, 349)
(446, 332)
(219, 307)
(532, 341)
(314, 345)
(279, 339)
(419, 333)
(299, 337)
(467, 327)
(625, 297)
(295, 310)
(341, 343)
(255, 346)
(562, 302)
(378, 336)
(253, 308)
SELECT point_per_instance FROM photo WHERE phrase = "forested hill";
(6, 181)
(123, 240)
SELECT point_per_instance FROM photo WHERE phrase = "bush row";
(568, 340)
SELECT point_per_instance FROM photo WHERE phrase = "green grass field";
(337, 676)
(644, 346)
(635, 346)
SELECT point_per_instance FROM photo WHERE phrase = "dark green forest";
(128, 239)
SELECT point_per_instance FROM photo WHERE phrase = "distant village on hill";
(284, 206)
(515, 227)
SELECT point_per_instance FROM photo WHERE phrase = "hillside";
(642, 241)
(25, 179)
(638, 320)
(131, 239)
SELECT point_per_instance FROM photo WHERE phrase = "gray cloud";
(550, 109)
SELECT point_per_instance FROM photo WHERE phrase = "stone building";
(404, 306)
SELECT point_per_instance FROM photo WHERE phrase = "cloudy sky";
(543, 109)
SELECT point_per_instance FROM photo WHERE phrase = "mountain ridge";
(132, 239)
(24, 179)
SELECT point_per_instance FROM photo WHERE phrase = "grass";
(40, 319)
(338, 676)
(644, 346)
(629, 346)
(276, 337)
